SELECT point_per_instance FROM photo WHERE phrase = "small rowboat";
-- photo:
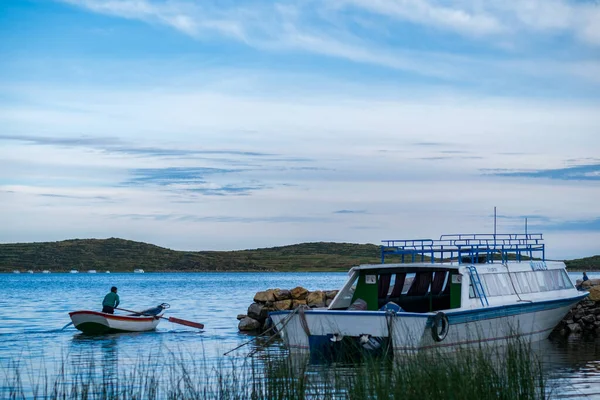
(93, 322)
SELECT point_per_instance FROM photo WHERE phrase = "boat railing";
(472, 248)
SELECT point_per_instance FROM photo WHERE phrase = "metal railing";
(473, 248)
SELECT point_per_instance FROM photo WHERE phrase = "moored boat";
(92, 271)
(94, 322)
(138, 271)
(73, 271)
(460, 290)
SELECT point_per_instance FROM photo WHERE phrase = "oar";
(170, 319)
(70, 323)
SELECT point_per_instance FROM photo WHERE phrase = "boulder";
(255, 310)
(248, 324)
(316, 299)
(298, 303)
(299, 293)
(283, 305)
(266, 296)
(282, 294)
(595, 293)
(330, 294)
(589, 319)
(574, 328)
(241, 316)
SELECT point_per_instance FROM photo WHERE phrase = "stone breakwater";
(585, 316)
(279, 300)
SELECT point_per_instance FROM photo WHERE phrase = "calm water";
(34, 308)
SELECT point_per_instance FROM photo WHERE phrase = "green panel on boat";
(455, 290)
(367, 289)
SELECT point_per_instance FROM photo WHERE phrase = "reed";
(510, 372)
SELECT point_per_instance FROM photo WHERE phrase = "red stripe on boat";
(111, 316)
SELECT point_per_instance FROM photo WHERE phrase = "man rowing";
(111, 300)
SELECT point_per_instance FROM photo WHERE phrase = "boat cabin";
(457, 271)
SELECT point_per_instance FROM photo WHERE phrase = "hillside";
(126, 255)
(584, 264)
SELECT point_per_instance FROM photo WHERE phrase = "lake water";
(34, 308)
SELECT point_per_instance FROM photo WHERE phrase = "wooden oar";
(170, 319)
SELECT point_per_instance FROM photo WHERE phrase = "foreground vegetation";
(511, 372)
(126, 255)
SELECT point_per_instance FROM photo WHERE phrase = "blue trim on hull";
(462, 316)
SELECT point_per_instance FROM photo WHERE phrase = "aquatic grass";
(509, 372)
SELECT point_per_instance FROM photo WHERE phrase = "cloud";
(576, 173)
(434, 14)
(116, 145)
(588, 225)
(330, 29)
(350, 212)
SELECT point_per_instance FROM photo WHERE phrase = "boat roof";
(467, 248)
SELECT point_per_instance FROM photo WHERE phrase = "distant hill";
(584, 264)
(125, 255)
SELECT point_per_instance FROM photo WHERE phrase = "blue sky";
(209, 125)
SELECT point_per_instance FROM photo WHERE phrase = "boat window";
(566, 280)
(496, 285)
(541, 281)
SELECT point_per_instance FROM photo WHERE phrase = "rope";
(513, 284)
(303, 322)
(390, 316)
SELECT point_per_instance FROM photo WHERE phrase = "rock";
(569, 321)
(589, 319)
(241, 316)
(578, 315)
(282, 294)
(316, 299)
(255, 310)
(328, 302)
(574, 328)
(263, 297)
(299, 293)
(282, 305)
(298, 303)
(587, 284)
(595, 293)
(330, 294)
(596, 311)
(248, 324)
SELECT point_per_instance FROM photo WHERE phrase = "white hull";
(412, 331)
(97, 322)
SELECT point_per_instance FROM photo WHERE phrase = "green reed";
(508, 372)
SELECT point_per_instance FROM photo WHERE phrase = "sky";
(224, 125)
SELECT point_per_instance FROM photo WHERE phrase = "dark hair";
(113, 289)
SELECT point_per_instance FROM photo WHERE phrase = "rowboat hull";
(93, 322)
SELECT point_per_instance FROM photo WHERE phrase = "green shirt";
(111, 300)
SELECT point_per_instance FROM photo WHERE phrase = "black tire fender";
(439, 327)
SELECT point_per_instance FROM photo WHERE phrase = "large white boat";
(459, 290)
